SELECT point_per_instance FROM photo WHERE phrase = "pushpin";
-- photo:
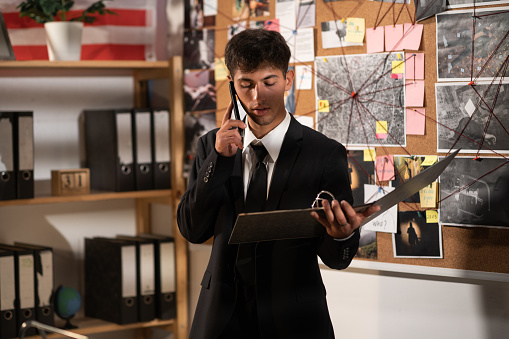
(353, 94)
(471, 83)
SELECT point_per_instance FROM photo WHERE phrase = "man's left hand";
(340, 219)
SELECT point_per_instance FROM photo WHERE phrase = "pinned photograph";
(475, 193)
(472, 48)
(417, 237)
(472, 118)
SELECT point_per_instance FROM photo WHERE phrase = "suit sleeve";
(335, 179)
(199, 206)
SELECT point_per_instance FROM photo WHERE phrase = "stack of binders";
(16, 155)
(26, 286)
(128, 149)
(129, 286)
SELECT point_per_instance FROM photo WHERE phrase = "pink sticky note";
(384, 167)
(393, 38)
(415, 121)
(375, 39)
(414, 66)
(412, 36)
(272, 25)
(414, 93)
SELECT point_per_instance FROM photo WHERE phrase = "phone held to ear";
(236, 113)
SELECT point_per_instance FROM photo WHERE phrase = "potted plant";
(63, 32)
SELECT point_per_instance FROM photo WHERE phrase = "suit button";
(206, 179)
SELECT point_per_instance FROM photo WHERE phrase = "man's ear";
(290, 74)
(229, 77)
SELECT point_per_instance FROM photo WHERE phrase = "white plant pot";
(63, 39)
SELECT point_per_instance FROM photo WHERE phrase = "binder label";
(45, 278)
(147, 269)
(167, 267)
(26, 143)
(143, 143)
(26, 281)
(6, 150)
(162, 136)
(124, 138)
(129, 272)
(7, 283)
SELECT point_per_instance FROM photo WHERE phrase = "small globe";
(67, 303)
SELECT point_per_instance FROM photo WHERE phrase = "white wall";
(421, 303)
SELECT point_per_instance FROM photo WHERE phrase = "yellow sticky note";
(429, 160)
(398, 67)
(431, 216)
(221, 71)
(381, 127)
(323, 106)
(428, 196)
(369, 155)
(355, 28)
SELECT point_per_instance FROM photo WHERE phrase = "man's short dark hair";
(255, 48)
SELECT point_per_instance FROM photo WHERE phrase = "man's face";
(261, 92)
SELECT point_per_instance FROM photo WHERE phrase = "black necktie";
(257, 191)
(255, 202)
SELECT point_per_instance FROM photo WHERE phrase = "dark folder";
(142, 137)
(110, 280)
(145, 264)
(8, 324)
(109, 149)
(165, 295)
(25, 282)
(161, 148)
(7, 171)
(290, 224)
(24, 154)
(44, 282)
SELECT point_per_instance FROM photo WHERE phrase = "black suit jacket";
(290, 293)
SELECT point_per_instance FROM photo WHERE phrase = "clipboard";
(293, 224)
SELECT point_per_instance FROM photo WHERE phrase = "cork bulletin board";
(467, 248)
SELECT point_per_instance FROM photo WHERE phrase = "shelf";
(87, 64)
(94, 196)
(87, 326)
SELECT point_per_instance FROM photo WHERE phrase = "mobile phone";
(233, 95)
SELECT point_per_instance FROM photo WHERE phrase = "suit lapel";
(289, 150)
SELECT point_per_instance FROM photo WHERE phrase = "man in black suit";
(270, 289)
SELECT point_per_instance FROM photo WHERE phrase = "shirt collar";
(272, 140)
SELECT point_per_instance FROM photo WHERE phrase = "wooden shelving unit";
(141, 71)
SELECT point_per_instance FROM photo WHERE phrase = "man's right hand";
(228, 138)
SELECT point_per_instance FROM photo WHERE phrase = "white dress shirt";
(272, 142)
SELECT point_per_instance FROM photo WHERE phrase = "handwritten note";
(412, 36)
(414, 93)
(384, 167)
(414, 66)
(323, 106)
(375, 39)
(431, 217)
(393, 38)
(381, 129)
(355, 28)
(387, 221)
(220, 71)
(303, 77)
(429, 160)
(415, 121)
(398, 66)
(428, 196)
(369, 155)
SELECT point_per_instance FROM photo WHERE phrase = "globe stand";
(68, 325)
(67, 302)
